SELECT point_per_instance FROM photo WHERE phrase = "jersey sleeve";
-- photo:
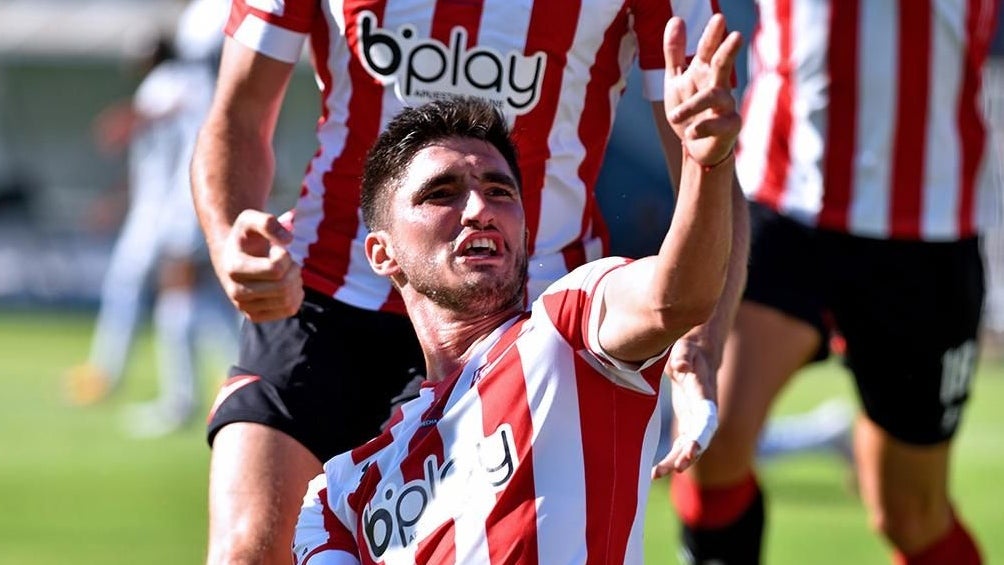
(276, 28)
(321, 538)
(574, 308)
(649, 21)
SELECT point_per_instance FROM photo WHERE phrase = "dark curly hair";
(418, 127)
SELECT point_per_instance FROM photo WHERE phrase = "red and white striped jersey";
(557, 68)
(538, 451)
(864, 116)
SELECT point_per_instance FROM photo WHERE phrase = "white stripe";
(467, 430)
(751, 161)
(761, 103)
(271, 40)
(554, 411)
(878, 55)
(563, 191)
(802, 196)
(653, 84)
(362, 288)
(941, 189)
(275, 7)
(504, 25)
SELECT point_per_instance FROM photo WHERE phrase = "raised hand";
(258, 274)
(698, 99)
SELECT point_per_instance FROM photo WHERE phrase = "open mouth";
(479, 247)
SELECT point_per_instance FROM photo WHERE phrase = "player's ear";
(380, 253)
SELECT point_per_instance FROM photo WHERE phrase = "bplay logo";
(391, 517)
(423, 68)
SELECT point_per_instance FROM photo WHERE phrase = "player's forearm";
(232, 171)
(652, 302)
(710, 336)
(693, 261)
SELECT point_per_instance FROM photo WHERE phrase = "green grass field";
(75, 489)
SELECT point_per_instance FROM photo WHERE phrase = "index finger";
(711, 38)
(724, 59)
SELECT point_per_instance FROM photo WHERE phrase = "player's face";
(458, 227)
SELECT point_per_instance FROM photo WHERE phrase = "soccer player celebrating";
(534, 442)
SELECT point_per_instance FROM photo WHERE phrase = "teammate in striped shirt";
(861, 154)
(534, 441)
(304, 387)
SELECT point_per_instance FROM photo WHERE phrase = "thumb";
(257, 223)
(276, 232)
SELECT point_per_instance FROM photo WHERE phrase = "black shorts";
(909, 312)
(325, 376)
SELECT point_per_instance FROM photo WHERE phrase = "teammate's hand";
(692, 383)
(698, 97)
(256, 271)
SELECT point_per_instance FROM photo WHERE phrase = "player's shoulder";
(587, 275)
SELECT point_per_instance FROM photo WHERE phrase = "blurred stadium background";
(74, 489)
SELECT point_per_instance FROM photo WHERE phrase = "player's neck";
(449, 338)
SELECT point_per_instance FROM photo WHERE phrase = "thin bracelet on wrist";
(709, 168)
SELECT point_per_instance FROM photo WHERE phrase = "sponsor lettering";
(423, 68)
(391, 517)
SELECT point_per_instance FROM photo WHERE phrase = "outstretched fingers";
(711, 39)
(674, 46)
(724, 59)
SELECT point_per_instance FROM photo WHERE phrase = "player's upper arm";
(251, 87)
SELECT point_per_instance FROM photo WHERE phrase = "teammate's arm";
(232, 175)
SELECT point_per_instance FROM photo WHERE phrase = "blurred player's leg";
(122, 294)
(175, 322)
(719, 503)
(904, 488)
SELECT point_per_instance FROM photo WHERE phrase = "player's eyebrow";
(499, 177)
(448, 177)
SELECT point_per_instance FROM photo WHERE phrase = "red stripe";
(594, 131)
(910, 141)
(569, 320)
(511, 525)
(450, 14)
(328, 258)
(296, 16)
(980, 15)
(339, 537)
(551, 30)
(611, 447)
(778, 150)
(841, 132)
(439, 547)
(238, 11)
(649, 24)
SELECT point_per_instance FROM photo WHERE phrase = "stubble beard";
(476, 297)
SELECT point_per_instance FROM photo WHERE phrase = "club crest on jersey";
(391, 518)
(422, 69)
